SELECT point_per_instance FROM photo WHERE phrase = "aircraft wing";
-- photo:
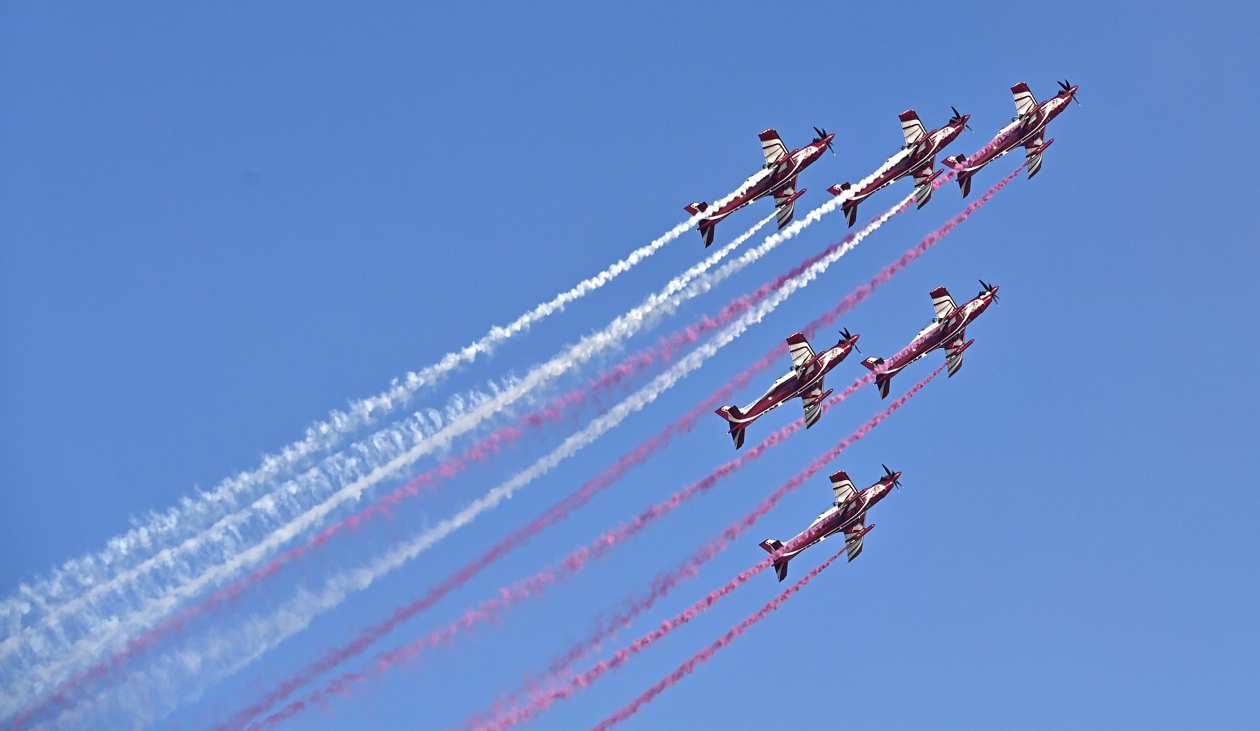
(1032, 154)
(943, 303)
(772, 146)
(954, 351)
(1025, 102)
(784, 204)
(853, 536)
(912, 128)
(813, 403)
(843, 487)
(798, 346)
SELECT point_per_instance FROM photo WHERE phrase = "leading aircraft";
(847, 513)
(948, 330)
(805, 380)
(917, 158)
(1028, 128)
(777, 177)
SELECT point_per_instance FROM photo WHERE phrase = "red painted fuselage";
(917, 158)
(948, 330)
(1027, 130)
(804, 381)
(776, 178)
(847, 515)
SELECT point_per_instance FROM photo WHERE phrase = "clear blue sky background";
(219, 222)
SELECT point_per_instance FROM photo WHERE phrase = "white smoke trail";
(229, 550)
(71, 633)
(200, 514)
(223, 651)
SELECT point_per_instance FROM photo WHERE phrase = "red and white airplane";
(1028, 128)
(948, 330)
(848, 514)
(777, 177)
(804, 380)
(917, 158)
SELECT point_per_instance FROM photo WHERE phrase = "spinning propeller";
(822, 135)
(957, 117)
(988, 288)
(1067, 87)
(890, 473)
(846, 337)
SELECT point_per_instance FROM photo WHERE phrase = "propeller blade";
(820, 133)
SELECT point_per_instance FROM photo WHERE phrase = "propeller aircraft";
(917, 157)
(948, 330)
(805, 381)
(1028, 128)
(847, 513)
(777, 177)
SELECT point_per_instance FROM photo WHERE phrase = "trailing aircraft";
(805, 380)
(1028, 128)
(948, 330)
(917, 157)
(777, 177)
(847, 513)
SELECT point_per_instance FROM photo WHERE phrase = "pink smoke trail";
(583, 495)
(488, 610)
(543, 700)
(113, 668)
(703, 656)
(561, 510)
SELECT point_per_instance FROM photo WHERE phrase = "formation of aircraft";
(948, 330)
(804, 381)
(847, 514)
(777, 177)
(917, 157)
(1028, 128)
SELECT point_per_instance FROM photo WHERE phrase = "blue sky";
(220, 222)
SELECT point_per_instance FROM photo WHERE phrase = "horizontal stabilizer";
(873, 363)
(838, 189)
(696, 209)
(771, 545)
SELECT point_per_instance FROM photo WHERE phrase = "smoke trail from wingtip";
(321, 436)
(545, 699)
(703, 656)
(489, 610)
(767, 298)
(239, 553)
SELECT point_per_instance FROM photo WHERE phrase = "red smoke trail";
(544, 700)
(703, 656)
(561, 511)
(665, 349)
(537, 584)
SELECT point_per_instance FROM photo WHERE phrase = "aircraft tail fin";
(850, 213)
(883, 380)
(771, 546)
(706, 232)
(957, 162)
(735, 418)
